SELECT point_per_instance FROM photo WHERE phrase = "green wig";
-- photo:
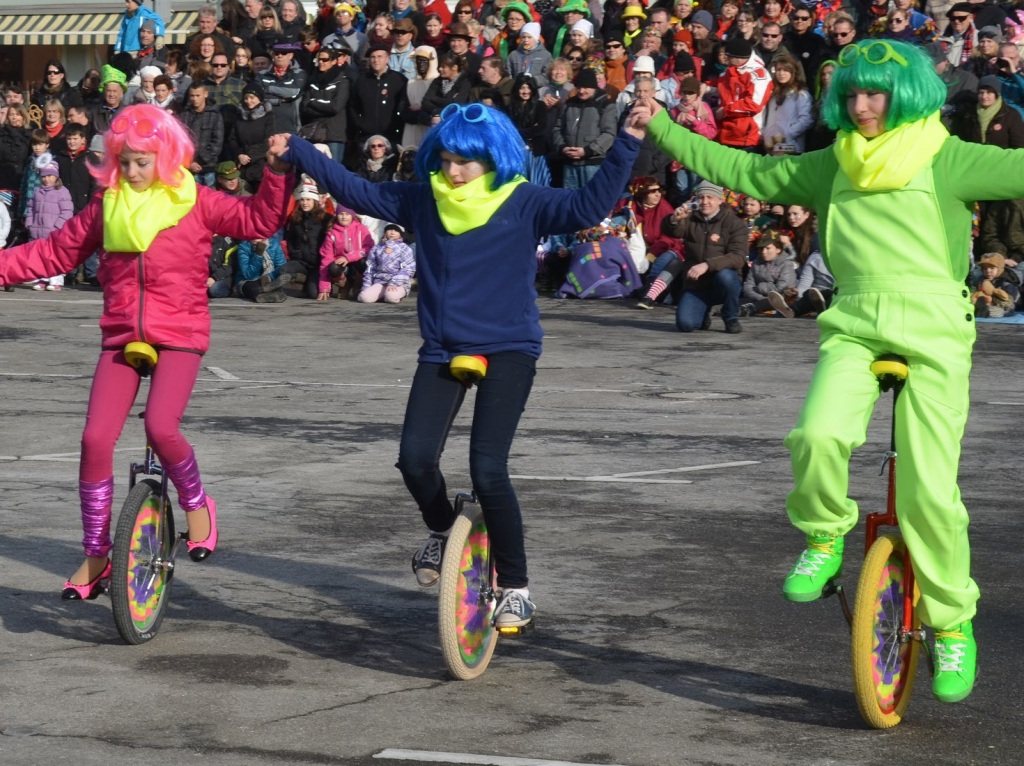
(903, 71)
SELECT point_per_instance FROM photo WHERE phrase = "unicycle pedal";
(514, 630)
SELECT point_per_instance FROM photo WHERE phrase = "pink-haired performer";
(154, 228)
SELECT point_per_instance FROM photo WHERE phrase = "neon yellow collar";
(892, 159)
(131, 219)
(471, 205)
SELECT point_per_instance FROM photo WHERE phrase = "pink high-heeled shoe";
(201, 551)
(90, 590)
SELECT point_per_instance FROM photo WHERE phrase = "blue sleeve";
(386, 201)
(563, 211)
(249, 265)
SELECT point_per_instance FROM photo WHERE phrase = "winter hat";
(997, 260)
(710, 189)
(991, 33)
(684, 36)
(739, 47)
(584, 26)
(575, 6)
(6, 197)
(307, 191)
(633, 11)
(643, 64)
(689, 85)
(339, 208)
(97, 145)
(228, 170)
(532, 29)
(352, 10)
(684, 63)
(149, 25)
(516, 5)
(394, 227)
(47, 165)
(991, 82)
(378, 47)
(586, 79)
(616, 36)
(109, 74)
(704, 18)
(150, 71)
(254, 88)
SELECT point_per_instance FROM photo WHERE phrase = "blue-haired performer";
(477, 224)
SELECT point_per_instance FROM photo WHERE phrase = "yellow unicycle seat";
(468, 369)
(891, 370)
(141, 356)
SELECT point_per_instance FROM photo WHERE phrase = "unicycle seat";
(468, 369)
(142, 356)
(891, 370)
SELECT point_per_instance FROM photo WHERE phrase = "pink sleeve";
(257, 217)
(59, 253)
(367, 242)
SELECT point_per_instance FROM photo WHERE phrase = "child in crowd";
(342, 253)
(30, 179)
(477, 224)
(771, 272)
(304, 235)
(995, 288)
(155, 227)
(754, 215)
(390, 268)
(48, 210)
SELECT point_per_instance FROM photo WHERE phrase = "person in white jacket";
(789, 113)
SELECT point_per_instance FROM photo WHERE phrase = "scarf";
(889, 161)
(471, 205)
(132, 220)
(986, 114)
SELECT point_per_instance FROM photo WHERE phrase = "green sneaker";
(956, 663)
(820, 562)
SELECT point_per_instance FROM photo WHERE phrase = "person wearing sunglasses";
(891, 154)
(55, 85)
(323, 109)
(477, 222)
(770, 44)
(154, 227)
(961, 34)
(804, 43)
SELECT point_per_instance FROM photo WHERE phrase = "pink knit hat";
(47, 165)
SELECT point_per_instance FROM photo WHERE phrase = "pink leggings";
(114, 388)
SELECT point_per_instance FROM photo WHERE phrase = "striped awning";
(81, 28)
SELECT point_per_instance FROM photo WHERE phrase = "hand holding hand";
(278, 145)
(644, 110)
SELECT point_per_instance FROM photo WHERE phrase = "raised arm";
(58, 253)
(981, 172)
(256, 217)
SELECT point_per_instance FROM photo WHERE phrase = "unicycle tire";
(466, 603)
(140, 587)
(884, 667)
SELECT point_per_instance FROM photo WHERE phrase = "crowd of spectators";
(366, 80)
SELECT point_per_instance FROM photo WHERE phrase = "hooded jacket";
(744, 91)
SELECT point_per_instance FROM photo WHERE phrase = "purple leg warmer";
(96, 498)
(185, 478)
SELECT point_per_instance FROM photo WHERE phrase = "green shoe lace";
(956, 663)
(820, 562)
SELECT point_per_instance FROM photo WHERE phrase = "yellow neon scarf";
(469, 206)
(890, 160)
(131, 219)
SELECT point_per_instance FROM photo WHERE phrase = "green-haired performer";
(901, 290)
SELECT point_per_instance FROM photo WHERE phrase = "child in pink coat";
(48, 210)
(342, 253)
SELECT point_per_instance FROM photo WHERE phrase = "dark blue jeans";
(434, 401)
(694, 305)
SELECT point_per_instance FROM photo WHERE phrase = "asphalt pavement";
(652, 474)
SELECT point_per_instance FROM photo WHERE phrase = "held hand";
(697, 271)
(644, 110)
(278, 145)
(324, 295)
(633, 126)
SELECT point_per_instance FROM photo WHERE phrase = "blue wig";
(474, 132)
(902, 70)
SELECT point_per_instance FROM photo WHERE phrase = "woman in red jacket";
(154, 229)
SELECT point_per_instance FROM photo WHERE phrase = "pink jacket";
(352, 242)
(158, 296)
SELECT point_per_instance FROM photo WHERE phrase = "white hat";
(307, 191)
(150, 71)
(532, 29)
(644, 64)
(583, 26)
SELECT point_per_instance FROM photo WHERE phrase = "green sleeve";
(803, 179)
(979, 172)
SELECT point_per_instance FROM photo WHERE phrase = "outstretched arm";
(58, 253)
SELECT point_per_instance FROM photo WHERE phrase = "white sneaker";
(426, 562)
(515, 609)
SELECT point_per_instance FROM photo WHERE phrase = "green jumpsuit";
(900, 259)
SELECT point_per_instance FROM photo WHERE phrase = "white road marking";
(631, 478)
(38, 375)
(1007, 404)
(708, 467)
(57, 457)
(222, 373)
(429, 756)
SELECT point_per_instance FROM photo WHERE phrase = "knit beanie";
(704, 18)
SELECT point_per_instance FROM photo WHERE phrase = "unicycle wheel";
(884, 658)
(140, 584)
(467, 600)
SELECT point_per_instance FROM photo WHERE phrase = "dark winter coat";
(378, 105)
(590, 124)
(305, 237)
(15, 147)
(284, 93)
(325, 102)
(75, 175)
(207, 127)
(251, 136)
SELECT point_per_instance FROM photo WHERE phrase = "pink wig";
(145, 128)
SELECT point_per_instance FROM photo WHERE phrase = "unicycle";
(886, 633)
(145, 543)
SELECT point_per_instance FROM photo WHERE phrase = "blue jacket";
(476, 289)
(250, 263)
(128, 34)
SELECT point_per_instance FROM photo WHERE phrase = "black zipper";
(142, 298)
